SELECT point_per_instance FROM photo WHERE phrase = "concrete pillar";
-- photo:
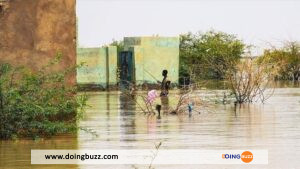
(112, 63)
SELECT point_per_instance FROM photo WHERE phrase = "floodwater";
(119, 124)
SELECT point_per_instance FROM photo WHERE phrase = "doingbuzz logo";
(246, 156)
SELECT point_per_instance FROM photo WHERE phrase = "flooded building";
(142, 61)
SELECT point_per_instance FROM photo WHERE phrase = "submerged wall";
(152, 55)
(99, 67)
(33, 31)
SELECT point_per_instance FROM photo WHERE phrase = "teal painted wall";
(152, 55)
(100, 66)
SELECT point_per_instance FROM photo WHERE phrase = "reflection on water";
(16, 154)
(273, 126)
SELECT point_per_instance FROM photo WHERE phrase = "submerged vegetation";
(37, 103)
(181, 102)
(249, 81)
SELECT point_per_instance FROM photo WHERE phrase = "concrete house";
(142, 61)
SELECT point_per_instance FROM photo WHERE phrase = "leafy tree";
(286, 60)
(209, 55)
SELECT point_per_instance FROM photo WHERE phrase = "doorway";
(126, 67)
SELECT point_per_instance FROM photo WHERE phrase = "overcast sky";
(257, 22)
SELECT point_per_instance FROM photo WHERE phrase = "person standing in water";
(165, 84)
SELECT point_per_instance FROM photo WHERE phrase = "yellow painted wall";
(152, 55)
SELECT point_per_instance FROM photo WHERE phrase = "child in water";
(165, 84)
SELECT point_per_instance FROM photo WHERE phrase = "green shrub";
(209, 55)
(37, 103)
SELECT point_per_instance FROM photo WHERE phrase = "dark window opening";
(1, 9)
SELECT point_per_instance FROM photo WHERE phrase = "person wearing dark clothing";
(165, 84)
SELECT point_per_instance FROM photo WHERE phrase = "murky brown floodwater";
(274, 126)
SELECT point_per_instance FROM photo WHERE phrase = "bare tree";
(249, 81)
